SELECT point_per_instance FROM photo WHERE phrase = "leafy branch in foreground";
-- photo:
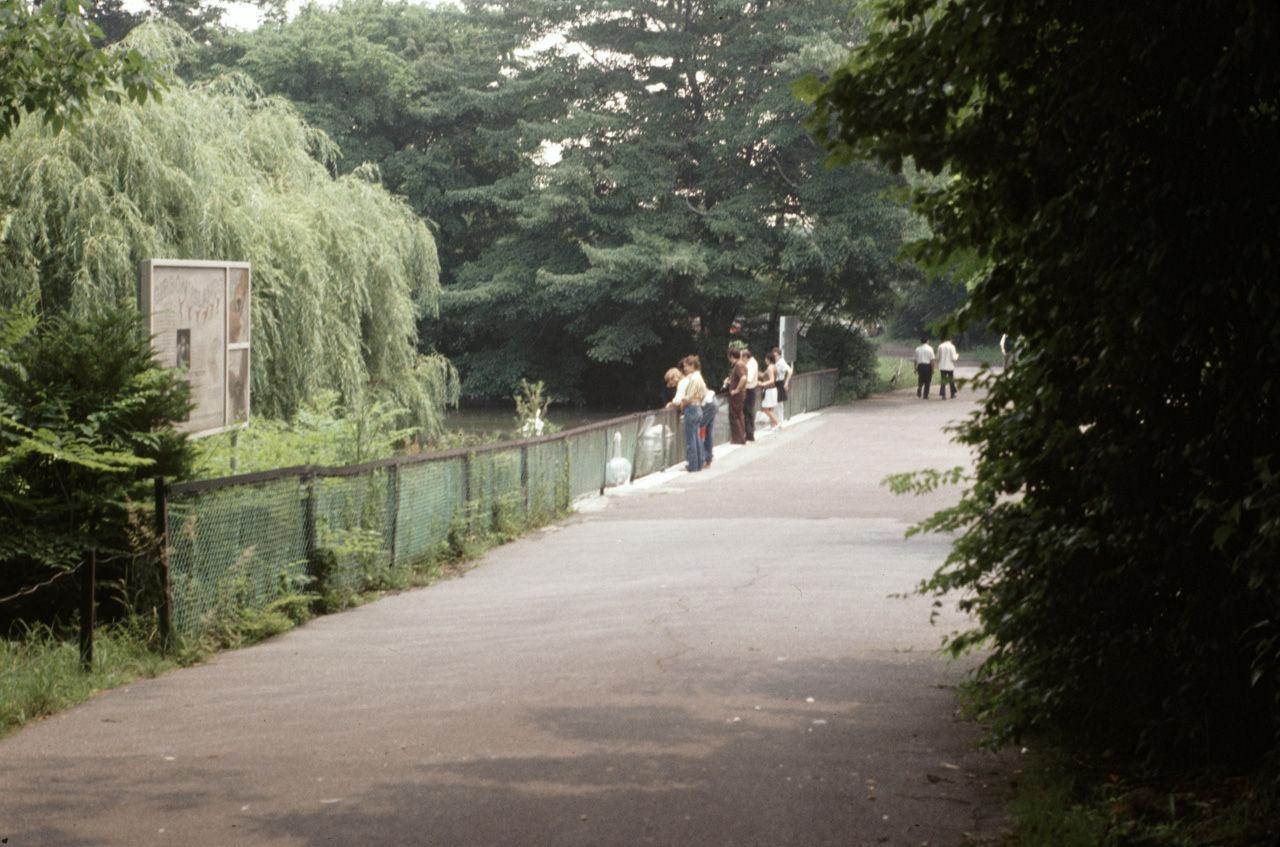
(1121, 530)
(85, 423)
(343, 272)
(52, 67)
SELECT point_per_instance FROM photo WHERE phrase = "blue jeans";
(693, 444)
(708, 426)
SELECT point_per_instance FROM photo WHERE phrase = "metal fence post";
(393, 505)
(466, 491)
(162, 537)
(86, 608)
(604, 432)
(309, 517)
(524, 478)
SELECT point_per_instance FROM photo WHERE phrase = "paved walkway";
(703, 659)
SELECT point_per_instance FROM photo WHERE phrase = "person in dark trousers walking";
(924, 367)
(736, 385)
(947, 357)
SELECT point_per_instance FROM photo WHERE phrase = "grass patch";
(887, 369)
(881, 381)
(987, 353)
(41, 674)
(1065, 803)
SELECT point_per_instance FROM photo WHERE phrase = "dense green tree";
(200, 20)
(685, 193)
(1115, 165)
(113, 20)
(86, 419)
(51, 66)
(424, 92)
(342, 271)
(611, 185)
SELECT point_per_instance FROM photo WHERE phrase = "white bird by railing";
(618, 471)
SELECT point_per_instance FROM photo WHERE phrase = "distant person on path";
(710, 405)
(749, 404)
(736, 385)
(924, 367)
(1007, 345)
(769, 382)
(947, 357)
(690, 390)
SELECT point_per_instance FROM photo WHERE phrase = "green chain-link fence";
(246, 540)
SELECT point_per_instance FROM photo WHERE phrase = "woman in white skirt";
(769, 382)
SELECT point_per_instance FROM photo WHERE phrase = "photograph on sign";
(198, 317)
(238, 308)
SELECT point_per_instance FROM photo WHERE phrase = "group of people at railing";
(698, 403)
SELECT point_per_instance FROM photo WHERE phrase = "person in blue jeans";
(690, 391)
(707, 429)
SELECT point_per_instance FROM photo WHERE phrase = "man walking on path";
(924, 367)
(947, 357)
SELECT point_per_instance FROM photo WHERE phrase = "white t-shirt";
(681, 387)
(753, 372)
(947, 356)
(924, 355)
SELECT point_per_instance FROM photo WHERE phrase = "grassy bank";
(40, 671)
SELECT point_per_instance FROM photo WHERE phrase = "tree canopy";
(85, 426)
(612, 184)
(342, 271)
(1115, 165)
(52, 67)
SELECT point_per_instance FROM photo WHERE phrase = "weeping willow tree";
(342, 270)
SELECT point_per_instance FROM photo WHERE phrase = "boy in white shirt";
(947, 357)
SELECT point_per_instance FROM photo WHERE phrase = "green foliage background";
(1114, 166)
(85, 416)
(614, 185)
(342, 271)
(51, 66)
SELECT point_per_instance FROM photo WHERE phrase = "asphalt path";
(696, 659)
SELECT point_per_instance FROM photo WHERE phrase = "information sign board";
(198, 316)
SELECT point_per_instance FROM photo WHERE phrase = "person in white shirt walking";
(924, 367)
(947, 357)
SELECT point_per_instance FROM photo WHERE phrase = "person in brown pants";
(737, 386)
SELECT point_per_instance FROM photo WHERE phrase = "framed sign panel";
(198, 316)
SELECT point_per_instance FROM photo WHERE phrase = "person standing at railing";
(784, 378)
(736, 385)
(749, 402)
(769, 382)
(710, 405)
(690, 391)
